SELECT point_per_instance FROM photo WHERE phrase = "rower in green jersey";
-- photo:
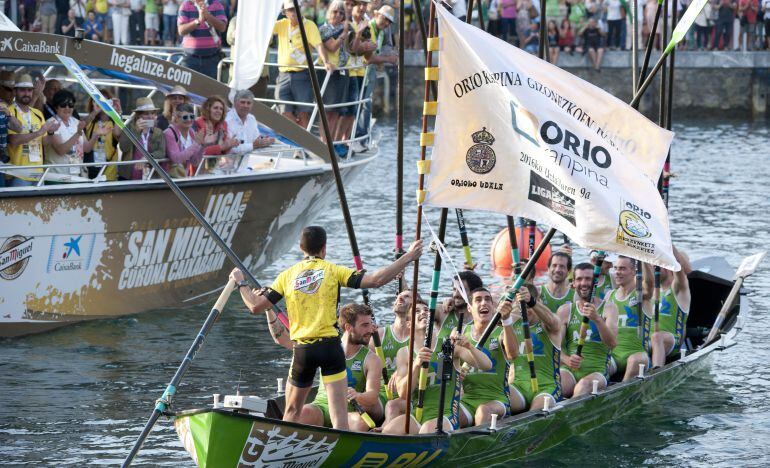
(674, 308)
(447, 313)
(557, 290)
(604, 285)
(547, 332)
(463, 353)
(396, 336)
(487, 392)
(363, 369)
(630, 350)
(579, 372)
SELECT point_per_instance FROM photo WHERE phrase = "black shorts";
(325, 353)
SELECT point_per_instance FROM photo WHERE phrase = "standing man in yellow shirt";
(293, 83)
(311, 289)
(25, 147)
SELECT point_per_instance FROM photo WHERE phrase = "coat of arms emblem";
(481, 157)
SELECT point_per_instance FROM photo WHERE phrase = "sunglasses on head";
(70, 104)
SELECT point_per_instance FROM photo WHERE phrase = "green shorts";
(523, 391)
(322, 404)
(621, 358)
(472, 404)
(430, 406)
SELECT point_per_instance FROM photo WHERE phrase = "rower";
(547, 332)
(487, 393)
(605, 280)
(311, 289)
(579, 372)
(463, 353)
(674, 308)
(448, 313)
(364, 371)
(396, 335)
(557, 290)
(630, 350)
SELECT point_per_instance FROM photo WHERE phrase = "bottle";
(100, 154)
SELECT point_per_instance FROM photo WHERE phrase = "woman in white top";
(615, 17)
(120, 13)
(69, 142)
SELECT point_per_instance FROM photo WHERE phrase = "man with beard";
(557, 291)
(25, 146)
(674, 308)
(630, 350)
(579, 372)
(487, 393)
(448, 313)
(464, 352)
(363, 369)
(547, 332)
(396, 335)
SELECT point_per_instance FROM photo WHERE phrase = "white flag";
(519, 136)
(253, 32)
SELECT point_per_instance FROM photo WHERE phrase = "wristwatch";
(242, 284)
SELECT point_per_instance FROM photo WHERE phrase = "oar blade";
(77, 72)
(749, 265)
(684, 24)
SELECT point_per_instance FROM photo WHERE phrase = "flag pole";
(635, 45)
(423, 167)
(469, 265)
(337, 174)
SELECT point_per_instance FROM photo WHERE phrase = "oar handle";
(719, 321)
(528, 348)
(657, 298)
(162, 404)
(362, 412)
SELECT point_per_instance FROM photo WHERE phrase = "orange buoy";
(500, 251)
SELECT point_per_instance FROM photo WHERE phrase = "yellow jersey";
(291, 53)
(359, 60)
(106, 150)
(31, 153)
(312, 292)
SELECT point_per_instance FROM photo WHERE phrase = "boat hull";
(107, 250)
(222, 437)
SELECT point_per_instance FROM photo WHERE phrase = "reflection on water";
(81, 395)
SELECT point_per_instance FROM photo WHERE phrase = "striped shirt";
(204, 40)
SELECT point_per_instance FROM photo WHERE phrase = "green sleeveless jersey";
(596, 355)
(553, 303)
(390, 347)
(433, 391)
(450, 324)
(356, 377)
(480, 387)
(672, 318)
(547, 360)
(629, 341)
(604, 286)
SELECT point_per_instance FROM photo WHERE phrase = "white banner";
(253, 31)
(519, 136)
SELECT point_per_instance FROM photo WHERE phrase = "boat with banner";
(86, 249)
(247, 431)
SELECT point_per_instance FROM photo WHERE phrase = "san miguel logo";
(481, 157)
(309, 281)
(14, 256)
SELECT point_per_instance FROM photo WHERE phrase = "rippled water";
(80, 395)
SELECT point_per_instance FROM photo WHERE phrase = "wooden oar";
(657, 299)
(422, 383)
(401, 93)
(584, 324)
(746, 269)
(531, 227)
(362, 412)
(337, 175)
(458, 378)
(469, 265)
(639, 293)
(528, 348)
(446, 365)
(162, 404)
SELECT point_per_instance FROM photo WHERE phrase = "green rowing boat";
(234, 437)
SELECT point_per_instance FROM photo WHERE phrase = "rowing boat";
(248, 431)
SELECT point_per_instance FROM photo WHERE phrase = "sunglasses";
(341, 12)
(186, 117)
(70, 104)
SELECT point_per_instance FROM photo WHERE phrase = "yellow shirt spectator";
(359, 60)
(106, 151)
(312, 292)
(27, 154)
(291, 53)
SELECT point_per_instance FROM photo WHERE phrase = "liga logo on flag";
(537, 142)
